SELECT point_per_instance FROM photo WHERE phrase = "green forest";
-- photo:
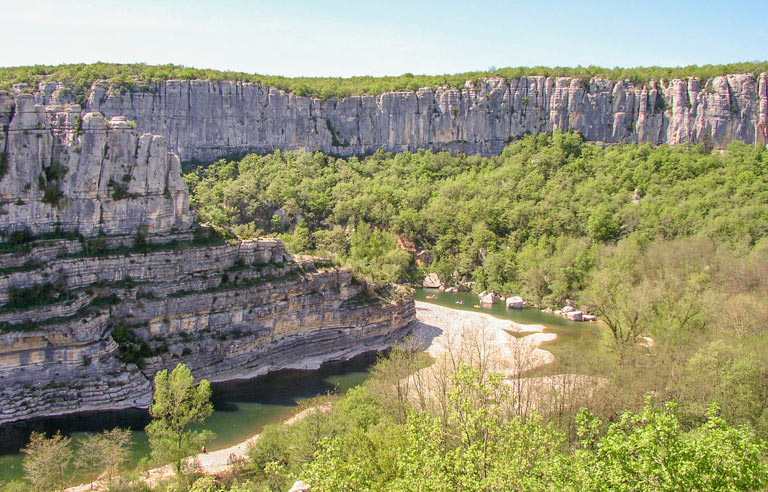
(666, 244)
(137, 76)
(534, 220)
(660, 242)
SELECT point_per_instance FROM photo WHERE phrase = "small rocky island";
(105, 278)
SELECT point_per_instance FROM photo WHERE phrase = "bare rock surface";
(65, 170)
(205, 120)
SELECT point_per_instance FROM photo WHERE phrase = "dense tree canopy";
(530, 220)
(139, 75)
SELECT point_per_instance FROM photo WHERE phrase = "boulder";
(431, 281)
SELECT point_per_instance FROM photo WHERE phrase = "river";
(576, 347)
(241, 409)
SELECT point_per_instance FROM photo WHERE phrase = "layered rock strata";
(227, 311)
(206, 120)
(104, 279)
(68, 171)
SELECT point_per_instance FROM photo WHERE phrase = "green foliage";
(650, 451)
(46, 462)
(140, 242)
(3, 164)
(34, 295)
(529, 220)
(476, 445)
(178, 403)
(20, 236)
(131, 348)
(138, 76)
(119, 189)
(55, 171)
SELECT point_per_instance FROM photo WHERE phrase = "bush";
(34, 295)
(132, 350)
(3, 164)
(140, 239)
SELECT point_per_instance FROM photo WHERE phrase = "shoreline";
(444, 330)
(433, 327)
(314, 363)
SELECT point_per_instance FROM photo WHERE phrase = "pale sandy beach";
(469, 334)
(464, 336)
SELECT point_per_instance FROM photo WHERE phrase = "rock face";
(206, 120)
(226, 311)
(86, 321)
(62, 170)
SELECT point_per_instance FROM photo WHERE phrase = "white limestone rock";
(86, 174)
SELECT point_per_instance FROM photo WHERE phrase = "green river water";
(243, 408)
(574, 346)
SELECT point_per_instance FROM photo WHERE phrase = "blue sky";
(318, 38)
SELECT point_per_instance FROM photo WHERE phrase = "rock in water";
(431, 281)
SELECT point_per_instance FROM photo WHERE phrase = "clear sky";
(371, 37)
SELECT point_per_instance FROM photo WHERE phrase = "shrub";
(140, 239)
(131, 348)
(3, 164)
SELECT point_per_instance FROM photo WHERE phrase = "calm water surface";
(576, 343)
(241, 408)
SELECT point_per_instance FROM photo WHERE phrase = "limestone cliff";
(209, 119)
(104, 279)
(227, 311)
(62, 170)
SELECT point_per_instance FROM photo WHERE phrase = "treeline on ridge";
(138, 76)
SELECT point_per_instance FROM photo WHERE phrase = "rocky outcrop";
(227, 311)
(110, 281)
(209, 119)
(67, 171)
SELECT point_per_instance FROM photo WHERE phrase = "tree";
(619, 297)
(177, 403)
(47, 461)
(650, 451)
(105, 452)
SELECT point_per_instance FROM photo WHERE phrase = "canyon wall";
(105, 279)
(227, 311)
(63, 170)
(206, 120)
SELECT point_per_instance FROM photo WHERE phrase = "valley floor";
(441, 331)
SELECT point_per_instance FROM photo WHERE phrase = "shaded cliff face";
(206, 119)
(226, 311)
(63, 170)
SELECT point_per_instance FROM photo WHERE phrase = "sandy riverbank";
(462, 336)
(466, 336)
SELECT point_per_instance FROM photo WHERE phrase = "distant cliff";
(209, 119)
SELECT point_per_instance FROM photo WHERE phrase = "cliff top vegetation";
(139, 76)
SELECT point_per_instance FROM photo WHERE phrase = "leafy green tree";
(603, 225)
(650, 451)
(177, 403)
